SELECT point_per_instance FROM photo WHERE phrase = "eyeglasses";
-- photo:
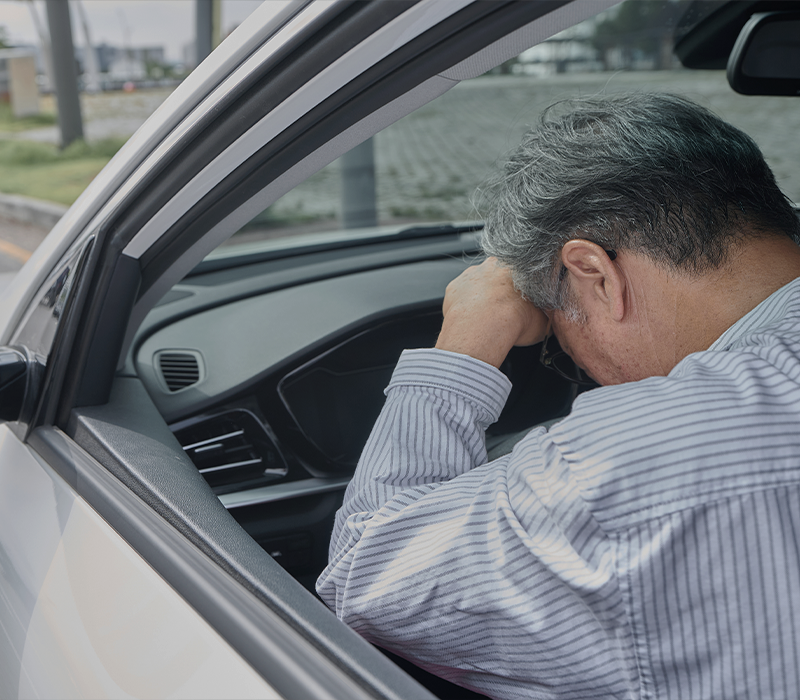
(554, 358)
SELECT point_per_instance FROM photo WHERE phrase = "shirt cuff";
(477, 381)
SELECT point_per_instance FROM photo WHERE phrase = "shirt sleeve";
(479, 572)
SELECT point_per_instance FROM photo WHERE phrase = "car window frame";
(386, 97)
(43, 371)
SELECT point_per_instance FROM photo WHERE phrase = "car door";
(122, 572)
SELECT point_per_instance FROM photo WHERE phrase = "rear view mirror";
(765, 59)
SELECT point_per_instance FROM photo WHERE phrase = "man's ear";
(595, 275)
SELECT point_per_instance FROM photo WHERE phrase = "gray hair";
(651, 173)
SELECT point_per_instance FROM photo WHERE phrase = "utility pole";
(208, 14)
(91, 71)
(65, 73)
(359, 208)
(44, 45)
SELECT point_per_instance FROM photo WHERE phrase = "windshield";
(424, 170)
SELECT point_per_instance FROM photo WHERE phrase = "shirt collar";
(772, 309)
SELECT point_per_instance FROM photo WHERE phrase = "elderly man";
(647, 545)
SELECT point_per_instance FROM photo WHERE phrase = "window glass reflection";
(38, 329)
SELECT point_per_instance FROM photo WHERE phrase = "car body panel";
(84, 614)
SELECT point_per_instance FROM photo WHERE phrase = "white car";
(181, 412)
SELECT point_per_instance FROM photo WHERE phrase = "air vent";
(179, 368)
(232, 450)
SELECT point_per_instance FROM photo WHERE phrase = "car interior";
(268, 363)
(274, 411)
(242, 401)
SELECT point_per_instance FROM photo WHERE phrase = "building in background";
(144, 66)
(18, 85)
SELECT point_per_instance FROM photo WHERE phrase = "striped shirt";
(646, 546)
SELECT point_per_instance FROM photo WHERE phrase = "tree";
(644, 26)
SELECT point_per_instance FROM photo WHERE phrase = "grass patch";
(43, 171)
(10, 123)
(36, 153)
(56, 182)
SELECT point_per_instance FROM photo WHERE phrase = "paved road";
(17, 242)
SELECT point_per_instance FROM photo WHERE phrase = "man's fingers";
(485, 316)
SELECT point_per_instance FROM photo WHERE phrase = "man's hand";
(484, 316)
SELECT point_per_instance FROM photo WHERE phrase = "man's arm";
(440, 403)
(487, 574)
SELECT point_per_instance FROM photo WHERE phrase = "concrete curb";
(28, 210)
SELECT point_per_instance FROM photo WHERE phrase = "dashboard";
(271, 374)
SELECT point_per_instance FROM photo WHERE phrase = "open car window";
(425, 170)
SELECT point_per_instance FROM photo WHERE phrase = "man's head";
(653, 174)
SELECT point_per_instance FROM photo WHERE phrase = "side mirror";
(765, 59)
(14, 374)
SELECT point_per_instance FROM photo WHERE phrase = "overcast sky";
(167, 23)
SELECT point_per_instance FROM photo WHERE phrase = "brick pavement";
(429, 164)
